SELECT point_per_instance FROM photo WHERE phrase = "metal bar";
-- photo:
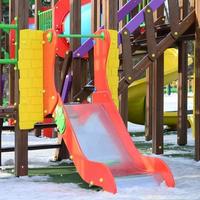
(32, 147)
(8, 26)
(101, 36)
(8, 61)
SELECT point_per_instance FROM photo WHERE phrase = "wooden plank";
(149, 95)
(149, 72)
(197, 82)
(66, 65)
(75, 27)
(1, 71)
(157, 102)
(11, 68)
(174, 17)
(123, 98)
(110, 9)
(137, 70)
(38, 5)
(150, 33)
(126, 61)
(123, 22)
(182, 86)
(21, 137)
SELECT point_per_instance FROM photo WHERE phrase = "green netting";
(45, 20)
(140, 7)
(143, 4)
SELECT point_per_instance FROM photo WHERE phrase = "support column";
(110, 9)
(182, 94)
(11, 68)
(149, 96)
(182, 86)
(75, 28)
(197, 82)
(1, 71)
(38, 6)
(157, 109)
(21, 137)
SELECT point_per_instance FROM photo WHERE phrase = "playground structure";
(137, 26)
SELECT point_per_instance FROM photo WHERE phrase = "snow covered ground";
(186, 173)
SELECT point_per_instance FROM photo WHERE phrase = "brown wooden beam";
(21, 136)
(137, 70)
(1, 71)
(38, 5)
(126, 61)
(197, 82)
(149, 104)
(75, 27)
(182, 86)
(11, 68)
(110, 9)
(157, 102)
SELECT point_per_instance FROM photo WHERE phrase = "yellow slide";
(137, 91)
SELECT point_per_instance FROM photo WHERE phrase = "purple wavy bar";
(66, 88)
(139, 18)
(127, 8)
(85, 47)
(131, 26)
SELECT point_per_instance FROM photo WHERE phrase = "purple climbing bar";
(131, 26)
(127, 8)
(136, 21)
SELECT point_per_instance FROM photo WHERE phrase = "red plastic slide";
(95, 135)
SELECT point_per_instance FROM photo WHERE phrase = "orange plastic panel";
(50, 93)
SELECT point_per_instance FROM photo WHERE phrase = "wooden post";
(21, 137)
(123, 103)
(154, 111)
(182, 86)
(11, 68)
(38, 5)
(149, 96)
(96, 23)
(197, 82)
(157, 102)
(110, 9)
(75, 27)
(158, 99)
(1, 66)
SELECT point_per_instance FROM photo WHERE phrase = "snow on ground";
(186, 173)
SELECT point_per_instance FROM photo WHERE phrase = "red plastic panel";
(49, 52)
(61, 10)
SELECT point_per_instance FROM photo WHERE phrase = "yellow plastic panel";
(31, 78)
(113, 66)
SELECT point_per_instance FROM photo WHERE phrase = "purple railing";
(131, 26)
(127, 8)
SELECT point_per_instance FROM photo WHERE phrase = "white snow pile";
(186, 173)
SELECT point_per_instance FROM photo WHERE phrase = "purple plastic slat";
(127, 8)
(139, 18)
(66, 88)
(83, 49)
(131, 26)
